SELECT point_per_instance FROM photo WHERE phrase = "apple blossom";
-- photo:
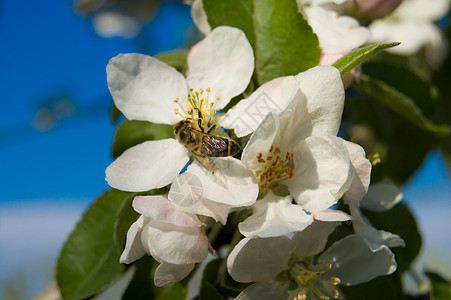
(174, 238)
(299, 275)
(412, 24)
(144, 88)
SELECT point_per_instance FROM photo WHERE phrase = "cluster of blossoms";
(289, 176)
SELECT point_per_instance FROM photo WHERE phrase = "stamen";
(273, 168)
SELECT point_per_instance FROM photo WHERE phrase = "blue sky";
(49, 177)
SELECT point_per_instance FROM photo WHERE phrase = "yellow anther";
(176, 111)
(335, 280)
(201, 91)
(176, 100)
(208, 90)
(218, 98)
(335, 294)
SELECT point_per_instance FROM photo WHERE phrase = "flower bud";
(377, 8)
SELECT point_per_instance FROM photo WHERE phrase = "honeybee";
(203, 145)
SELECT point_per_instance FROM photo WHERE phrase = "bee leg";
(212, 127)
(199, 123)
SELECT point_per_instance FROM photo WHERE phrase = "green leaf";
(399, 220)
(209, 279)
(131, 133)
(441, 288)
(176, 59)
(359, 55)
(383, 287)
(399, 103)
(89, 260)
(142, 285)
(283, 42)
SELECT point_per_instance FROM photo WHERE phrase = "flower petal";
(250, 260)
(133, 246)
(274, 290)
(224, 62)
(143, 88)
(324, 91)
(248, 114)
(331, 215)
(274, 216)
(382, 196)
(167, 273)
(174, 244)
(201, 192)
(163, 210)
(362, 173)
(353, 262)
(313, 239)
(322, 171)
(145, 166)
(200, 17)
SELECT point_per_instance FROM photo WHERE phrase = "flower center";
(198, 108)
(273, 168)
(311, 284)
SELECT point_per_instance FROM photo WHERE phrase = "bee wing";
(218, 146)
(206, 162)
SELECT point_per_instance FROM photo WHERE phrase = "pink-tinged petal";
(224, 62)
(313, 239)
(362, 173)
(145, 166)
(251, 259)
(167, 273)
(133, 246)
(248, 114)
(174, 244)
(353, 262)
(324, 91)
(163, 210)
(382, 196)
(143, 88)
(331, 215)
(322, 171)
(274, 216)
(201, 192)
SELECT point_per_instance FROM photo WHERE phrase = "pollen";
(273, 168)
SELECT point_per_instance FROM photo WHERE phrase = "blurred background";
(56, 130)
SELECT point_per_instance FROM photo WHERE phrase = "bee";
(204, 145)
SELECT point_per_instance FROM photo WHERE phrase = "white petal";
(362, 173)
(331, 215)
(274, 216)
(173, 244)
(252, 260)
(167, 273)
(143, 88)
(224, 62)
(353, 262)
(162, 210)
(313, 239)
(322, 171)
(274, 290)
(149, 165)
(382, 196)
(374, 238)
(200, 17)
(335, 33)
(133, 246)
(275, 95)
(201, 192)
(323, 88)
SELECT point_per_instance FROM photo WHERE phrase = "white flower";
(262, 259)
(174, 238)
(380, 197)
(200, 192)
(337, 35)
(144, 88)
(412, 24)
(298, 147)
